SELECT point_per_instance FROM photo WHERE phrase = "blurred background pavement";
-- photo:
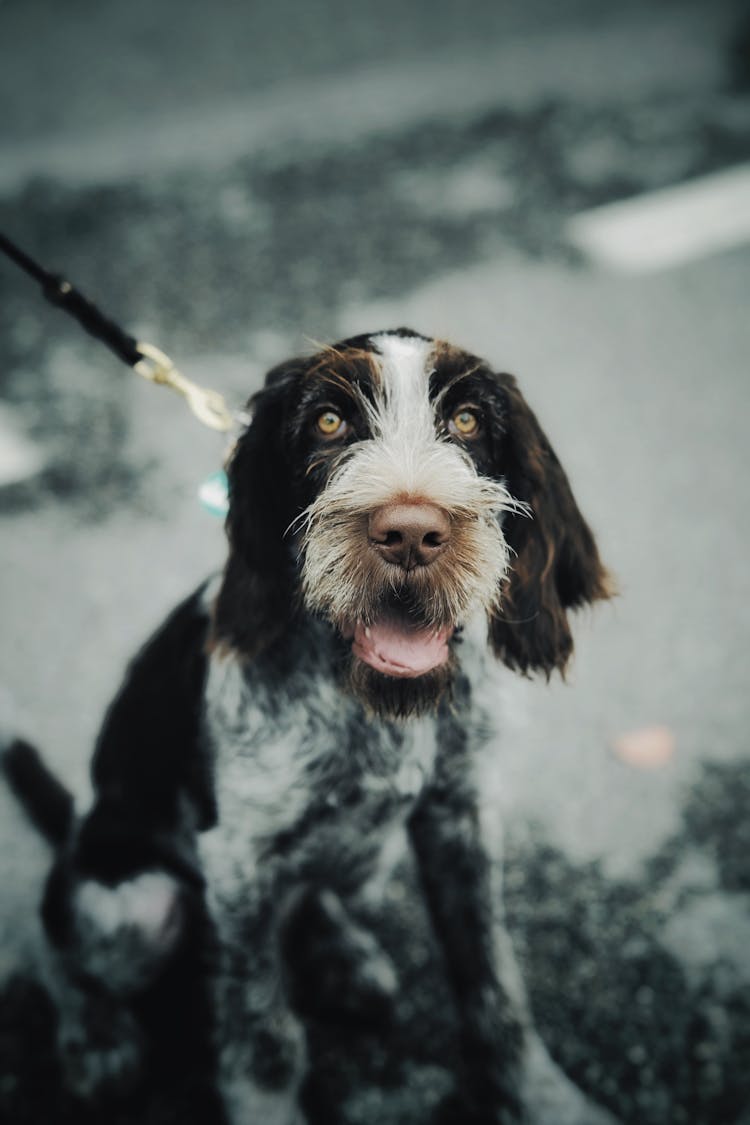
(232, 182)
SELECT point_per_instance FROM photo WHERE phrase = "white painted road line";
(669, 227)
(19, 458)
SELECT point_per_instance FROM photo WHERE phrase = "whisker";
(452, 383)
(303, 517)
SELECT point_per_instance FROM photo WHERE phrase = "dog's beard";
(390, 697)
(400, 666)
(400, 625)
(344, 582)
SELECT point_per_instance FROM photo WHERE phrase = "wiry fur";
(257, 779)
(405, 456)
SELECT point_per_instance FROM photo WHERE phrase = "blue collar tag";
(214, 494)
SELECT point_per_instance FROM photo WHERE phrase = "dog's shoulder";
(150, 751)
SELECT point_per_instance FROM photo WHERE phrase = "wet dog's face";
(395, 486)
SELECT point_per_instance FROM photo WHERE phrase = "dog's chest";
(301, 749)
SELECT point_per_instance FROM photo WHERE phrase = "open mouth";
(400, 648)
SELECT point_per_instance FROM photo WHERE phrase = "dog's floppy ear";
(555, 565)
(257, 594)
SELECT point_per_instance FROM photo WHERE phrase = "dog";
(399, 527)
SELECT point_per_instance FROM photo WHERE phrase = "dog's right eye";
(330, 424)
(465, 422)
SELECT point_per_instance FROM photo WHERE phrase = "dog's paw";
(550, 1097)
(101, 1050)
(456, 1110)
(336, 970)
(492, 1046)
(125, 933)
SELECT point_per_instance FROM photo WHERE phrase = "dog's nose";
(409, 534)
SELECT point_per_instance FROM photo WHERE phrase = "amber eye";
(464, 422)
(331, 424)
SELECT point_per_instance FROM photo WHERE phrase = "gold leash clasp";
(208, 406)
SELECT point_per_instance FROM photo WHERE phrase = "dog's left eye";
(465, 422)
(330, 424)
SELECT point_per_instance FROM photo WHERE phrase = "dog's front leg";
(335, 970)
(509, 1074)
(260, 1045)
(455, 874)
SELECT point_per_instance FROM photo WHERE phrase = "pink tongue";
(397, 651)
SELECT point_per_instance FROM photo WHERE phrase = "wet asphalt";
(229, 217)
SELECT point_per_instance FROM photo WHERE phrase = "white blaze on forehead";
(403, 406)
(406, 454)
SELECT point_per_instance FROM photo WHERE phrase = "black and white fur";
(259, 775)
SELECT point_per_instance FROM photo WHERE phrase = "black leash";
(208, 406)
(63, 295)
